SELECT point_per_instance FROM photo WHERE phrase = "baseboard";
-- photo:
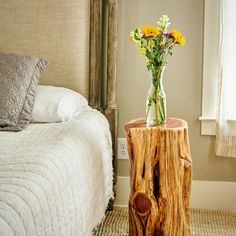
(215, 195)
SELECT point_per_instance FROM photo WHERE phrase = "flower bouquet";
(156, 44)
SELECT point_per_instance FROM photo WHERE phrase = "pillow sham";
(56, 104)
(19, 79)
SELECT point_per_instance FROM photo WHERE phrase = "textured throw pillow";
(18, 82)
(55, 104)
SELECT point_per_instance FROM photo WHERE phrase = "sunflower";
(182, 41)
(150, 31)
(178, 39)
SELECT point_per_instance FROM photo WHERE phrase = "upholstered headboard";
(55, 30)
(70, 34)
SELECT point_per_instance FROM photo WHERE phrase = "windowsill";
(208, 125)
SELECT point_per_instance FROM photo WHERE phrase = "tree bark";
(160, 178)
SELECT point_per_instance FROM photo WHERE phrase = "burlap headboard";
(55, 30)
(70, 34)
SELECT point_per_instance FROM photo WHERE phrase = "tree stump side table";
(160, 178)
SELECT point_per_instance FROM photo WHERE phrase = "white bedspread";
(55, 179)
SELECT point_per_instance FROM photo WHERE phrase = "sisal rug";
(203, 223)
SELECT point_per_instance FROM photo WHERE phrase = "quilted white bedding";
(56, 179)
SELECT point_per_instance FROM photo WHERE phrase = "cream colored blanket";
(56, 179)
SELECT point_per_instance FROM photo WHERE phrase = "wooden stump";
(160, 178)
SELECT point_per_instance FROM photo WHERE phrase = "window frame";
(210, 63)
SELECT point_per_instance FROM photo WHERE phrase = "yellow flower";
(150, 31)
(178, 39)
(147, 62)
(176, 34)
(138, 44)
(162, 44)
(142, 51)
(152, 43)
(182, 41)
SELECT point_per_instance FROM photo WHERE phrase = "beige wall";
(182, 79)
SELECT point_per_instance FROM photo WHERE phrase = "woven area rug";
(203, 223)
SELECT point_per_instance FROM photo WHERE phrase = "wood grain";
(161, 175)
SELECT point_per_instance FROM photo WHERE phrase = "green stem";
(149, 105)
(156, 105)
(162, 110)
(156, 97)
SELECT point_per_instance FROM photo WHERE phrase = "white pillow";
(55, 104)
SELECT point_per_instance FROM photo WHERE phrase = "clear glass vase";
(156, 99)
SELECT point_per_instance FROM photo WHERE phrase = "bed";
(58, 178)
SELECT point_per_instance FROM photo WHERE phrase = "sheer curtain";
(226, 110)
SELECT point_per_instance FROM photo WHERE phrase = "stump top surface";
(171, 123)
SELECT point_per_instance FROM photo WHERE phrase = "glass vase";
(156, 99)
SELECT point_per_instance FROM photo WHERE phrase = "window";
(210, 66)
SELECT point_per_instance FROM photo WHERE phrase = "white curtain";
(226, 108)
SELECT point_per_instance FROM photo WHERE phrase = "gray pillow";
(18, 82)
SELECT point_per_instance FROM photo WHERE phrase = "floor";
(203, 223)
